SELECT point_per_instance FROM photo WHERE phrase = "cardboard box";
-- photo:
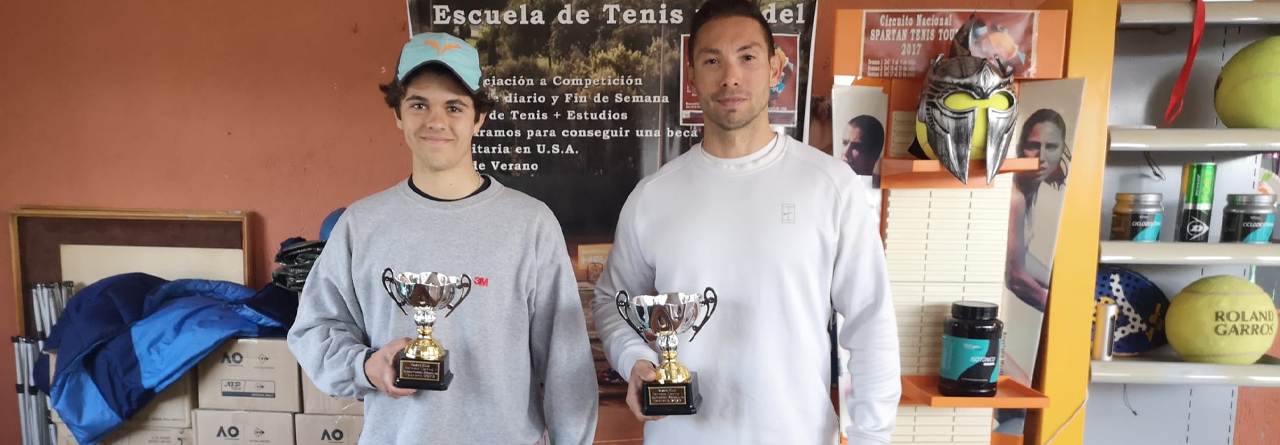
(589, 261)
(315, 401)
(135, 436)
(64, 435)
(217, 427)
(253, 374)
(171, 408)
(322, 429)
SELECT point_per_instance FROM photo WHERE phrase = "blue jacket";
(127, 337)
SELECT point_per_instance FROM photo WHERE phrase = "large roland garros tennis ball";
(1222, 319)
(1247, 94)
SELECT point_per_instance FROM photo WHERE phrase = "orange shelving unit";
(923, 390)
(1088, 30)
(925, 173)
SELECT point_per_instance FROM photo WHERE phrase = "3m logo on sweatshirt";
(333, 436)
(482, 281)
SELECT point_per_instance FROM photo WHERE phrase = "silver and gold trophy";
(665, 317)
(424, 363)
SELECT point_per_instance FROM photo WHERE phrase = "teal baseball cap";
(435, 47)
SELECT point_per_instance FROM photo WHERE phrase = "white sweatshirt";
(784, 236)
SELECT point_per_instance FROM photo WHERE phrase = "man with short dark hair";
(863, 142)
(517, 346)
(784, 234)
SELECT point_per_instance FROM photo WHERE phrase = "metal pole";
(55, 292)
(70, 288)
(36, 297)
(44, 311)
(23, 370)
(34, 415)
(22, 405)
(37, 400)
(49, 304)
(50, 310)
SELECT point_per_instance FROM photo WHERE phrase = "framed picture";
(84, 245)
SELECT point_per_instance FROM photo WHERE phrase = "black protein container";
(971, 345)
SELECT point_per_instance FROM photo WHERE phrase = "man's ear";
(479, 122)
(693, 86)
(775, 68)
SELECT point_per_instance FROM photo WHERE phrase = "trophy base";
(430, 375)
(671, 399)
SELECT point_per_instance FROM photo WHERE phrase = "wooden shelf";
(1162, 367)
(1196, 140)
(1180, 13)
(929, 173)
(1190, 254)
(923, 390)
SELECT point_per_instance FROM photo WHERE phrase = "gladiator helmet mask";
(959, 94)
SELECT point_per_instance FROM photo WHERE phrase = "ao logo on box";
(236, 358)
(334, 436)
(228, 431)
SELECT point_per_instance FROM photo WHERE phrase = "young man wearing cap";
(784, 233)
(517, 345)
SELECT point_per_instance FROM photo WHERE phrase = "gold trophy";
(665, 317)
(424, 364)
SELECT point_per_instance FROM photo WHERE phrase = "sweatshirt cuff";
(633, 355)
(362, 383)
(859, 439)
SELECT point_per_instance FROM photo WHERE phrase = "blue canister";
(1249, 219)
(971, 345)
(1137, 217)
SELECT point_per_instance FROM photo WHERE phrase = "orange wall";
(266, 107)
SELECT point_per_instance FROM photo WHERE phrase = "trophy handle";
(711, 299)
(466, 284)
(620, 301)
(389, 283)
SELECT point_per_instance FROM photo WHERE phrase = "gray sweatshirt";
(518, 345)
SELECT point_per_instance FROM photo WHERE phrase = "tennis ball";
(1222, 319)
(964, 101)
(1247, 94)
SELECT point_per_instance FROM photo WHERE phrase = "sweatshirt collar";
(755, 161)
(483, 195)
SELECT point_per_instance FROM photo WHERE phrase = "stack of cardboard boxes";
(251, 390)
(246, 391)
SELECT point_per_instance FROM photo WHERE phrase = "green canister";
(1196, 209)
